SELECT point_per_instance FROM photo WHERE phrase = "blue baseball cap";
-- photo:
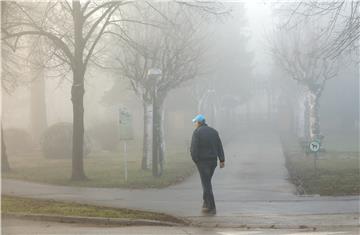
(199, 118)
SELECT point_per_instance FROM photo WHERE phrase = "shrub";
(57, 141)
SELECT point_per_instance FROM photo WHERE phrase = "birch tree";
(302, 58)
(74, 29)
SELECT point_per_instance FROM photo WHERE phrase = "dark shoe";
(205, 210)
(212, 211)
(209, 211)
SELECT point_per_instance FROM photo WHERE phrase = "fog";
(114, 94)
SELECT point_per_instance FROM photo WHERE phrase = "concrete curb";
(144, 222)
(271, 226)
(92, 220)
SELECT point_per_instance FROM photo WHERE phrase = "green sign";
(125, 124)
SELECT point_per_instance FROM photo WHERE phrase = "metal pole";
(155, 139)
(315, 163)
(125, 162)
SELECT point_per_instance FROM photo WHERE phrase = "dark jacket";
(206, 145)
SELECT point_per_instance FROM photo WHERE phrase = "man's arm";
(194, 149)
(221, 154)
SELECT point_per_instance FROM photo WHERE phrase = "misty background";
(233, 76)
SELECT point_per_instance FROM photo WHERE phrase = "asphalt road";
(251, 190)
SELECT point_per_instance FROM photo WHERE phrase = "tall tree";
(11, 75)
(341, 23)
(9, 71)
(74, 29)
(37, 59)
(168, 38)
(301, 56)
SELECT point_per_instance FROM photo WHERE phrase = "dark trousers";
(206, 171)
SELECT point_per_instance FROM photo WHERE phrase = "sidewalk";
(251, 190)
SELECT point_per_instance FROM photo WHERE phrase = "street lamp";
(154, 73)
(154, 76)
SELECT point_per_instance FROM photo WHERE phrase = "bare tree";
(38, 103)
(11, 75)
(74, 29)
(10, 62)
(168, 40)
(342, 23)
(24, 65)
(8, 80)
(302, 58)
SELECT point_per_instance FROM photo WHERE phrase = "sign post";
(315, 148)
(126, 133)
(125, 162)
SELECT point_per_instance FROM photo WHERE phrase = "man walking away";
(206, 148)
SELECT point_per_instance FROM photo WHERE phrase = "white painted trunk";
(306, 119)
(301, 117)
(147, 141)
(162, 132)
(314, 118)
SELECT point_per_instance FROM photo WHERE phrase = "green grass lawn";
(102, 169)
(337, 171)
(334, 176)
(10, 204)
(341, 141)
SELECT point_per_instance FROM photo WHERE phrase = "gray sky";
(260, 24)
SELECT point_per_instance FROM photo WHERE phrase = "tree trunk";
(77, 96)
(306, 124)
(314, 116)
(38, 107)
(161, 151)
(158, 138)
(155, 139)
(5, 166)
(147, 138)
(300, 117)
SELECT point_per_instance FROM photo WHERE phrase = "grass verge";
(102, 169)
(337, 173)
(10, 204)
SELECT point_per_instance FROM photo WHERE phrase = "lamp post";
(154, 75)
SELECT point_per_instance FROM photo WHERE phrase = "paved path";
(252, 189)
(18, 227)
